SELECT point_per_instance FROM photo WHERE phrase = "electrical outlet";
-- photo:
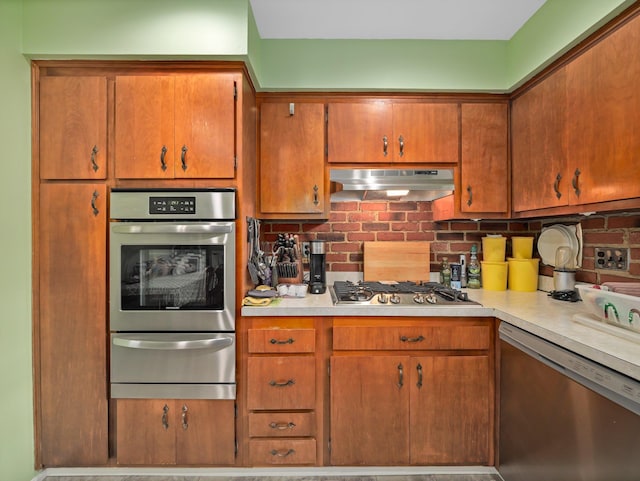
(306, 251)
(612, 258)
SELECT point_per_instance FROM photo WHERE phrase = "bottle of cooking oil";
(473, 269)
(445, 272)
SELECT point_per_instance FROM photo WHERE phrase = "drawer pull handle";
(282, 453)
(94, 152)
(286, 341)
(183, 157)
(412, 339)
(400, 376)
(185, 417)
(419, 383)
(290, 382)
(165, 417)
(94, 198)
(556, 186)
(282, 426)
(163, 154)
(385, 145)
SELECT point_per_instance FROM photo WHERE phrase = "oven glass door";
(172, 276)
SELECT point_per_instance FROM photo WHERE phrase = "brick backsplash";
(352, 223)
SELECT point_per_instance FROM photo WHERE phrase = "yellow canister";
(522, 247)
(523, 274)
(493, 248)
(494, 275)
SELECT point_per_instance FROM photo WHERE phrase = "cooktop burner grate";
(396, 293)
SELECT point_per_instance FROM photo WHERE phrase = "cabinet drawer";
(281, 383)
(282, 340)
(281, 424)
(416, 337)
(264, 452)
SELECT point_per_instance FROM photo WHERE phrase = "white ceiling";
(392, 19)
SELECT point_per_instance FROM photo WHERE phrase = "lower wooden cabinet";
(282, 394)
(410, 398)
(181, 432)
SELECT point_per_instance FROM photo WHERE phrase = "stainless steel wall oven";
(172, 293)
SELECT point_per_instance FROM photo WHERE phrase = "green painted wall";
(203, 30)
(16, 429)
(557, 26)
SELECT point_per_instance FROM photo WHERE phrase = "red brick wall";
(352, 223)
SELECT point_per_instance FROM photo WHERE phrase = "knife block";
(290, 272)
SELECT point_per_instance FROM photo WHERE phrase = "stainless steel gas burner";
(405, 293)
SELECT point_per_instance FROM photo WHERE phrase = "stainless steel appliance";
(317, 267)
(172, 293)
(564, 417)
(406, 293)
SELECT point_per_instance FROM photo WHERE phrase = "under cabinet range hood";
(392, 184)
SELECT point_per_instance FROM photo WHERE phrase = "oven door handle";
(150, 228)
(215, 344)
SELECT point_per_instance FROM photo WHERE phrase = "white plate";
(556, 236)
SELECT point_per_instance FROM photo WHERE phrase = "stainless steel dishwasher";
(562, 416)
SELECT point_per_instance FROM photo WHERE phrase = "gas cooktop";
(405, 293)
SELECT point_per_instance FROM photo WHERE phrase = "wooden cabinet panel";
(484, 163)
(281, 340)
(387, 132)
(145, 431)
(205, 125)
(144, 133)
(187, 432)
(73, 128)
(369, 410)
(539, 146)
(281, 383)
(416, 337)
(179, 126)
(450, 410)
(282, 424)
(292, 172)
(209, 435)
(604, 113)
(72, 401)
(360, 132)
(266, 452)
(426, 132)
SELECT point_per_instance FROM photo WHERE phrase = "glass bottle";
(445, 272)
(473, 269)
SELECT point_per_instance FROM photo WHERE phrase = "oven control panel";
(172, 205)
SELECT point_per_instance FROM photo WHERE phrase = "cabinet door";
(72, 400)
(205, 432)
(425, 132)
(73, 128)
(484, 163)
(144, 128)
(450, 410)
(360, 132)
(369, 410)
(205, 126)
(539, 146)
(604, 113)
(146, 431)
(291, 176)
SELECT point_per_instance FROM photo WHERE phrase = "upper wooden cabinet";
(539, 146)
(291, 173)
(180, 126)
(603, 107)
(574, 134)
(73, 127)
(484, 166)
(387, 132)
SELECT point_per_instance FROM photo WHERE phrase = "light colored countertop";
(534, 312)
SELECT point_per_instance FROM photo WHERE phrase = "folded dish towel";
(255, 301)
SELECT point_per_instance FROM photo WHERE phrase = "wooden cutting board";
(396, 261)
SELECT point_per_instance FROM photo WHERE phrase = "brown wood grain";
(396, 261)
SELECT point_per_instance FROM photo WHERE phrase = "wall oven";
(172, 293)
